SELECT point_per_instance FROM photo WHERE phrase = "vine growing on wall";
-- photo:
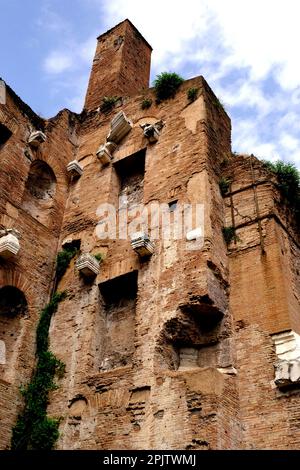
(63, 260)
(34, 429)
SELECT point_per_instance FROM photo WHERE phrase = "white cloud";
(58, 62)
(247, 50)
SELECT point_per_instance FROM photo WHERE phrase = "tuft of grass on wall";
(192, 94)
(146, 103)
(166, 85)
(288, 179)
(224, 185)
(108, 103)
(229, 235)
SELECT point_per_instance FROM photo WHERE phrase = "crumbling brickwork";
(174, 350)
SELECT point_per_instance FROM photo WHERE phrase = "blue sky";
(246, 50)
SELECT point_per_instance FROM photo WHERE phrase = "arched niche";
(13, 307)
(40, 188)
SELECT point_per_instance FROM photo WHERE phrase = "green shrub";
(288, 182)
(99, 256)
(224, 184)
(229, 235)
(63, 260)
(33, 429)
(108, 103)
(192, 94)
(146, 103)
(166, 85)
(219, 105)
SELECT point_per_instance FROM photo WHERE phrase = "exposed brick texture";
(169, 352)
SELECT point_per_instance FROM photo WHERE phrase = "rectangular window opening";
(131, 172)
(5, 134)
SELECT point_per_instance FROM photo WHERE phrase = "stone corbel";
(74, 169)
(120, 126)
(88, 265)
(287, 367)
(105, 152)
(36, 138)
(152, 131)
(9, 243)
(141, 244)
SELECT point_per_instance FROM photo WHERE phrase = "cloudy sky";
(246, 50)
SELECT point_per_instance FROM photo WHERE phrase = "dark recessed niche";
(122, 287)
(130, 171)
(5, 134)
(117, 321)
(12, 302)
(72, 245)
(173, 205)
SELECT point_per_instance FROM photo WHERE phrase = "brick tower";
(121, 65)
(187, 342)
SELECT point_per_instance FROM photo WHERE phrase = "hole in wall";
(40, 188)
(118, 321)
(130, 171)
(186, 343)
(5, 135)
(13, 306)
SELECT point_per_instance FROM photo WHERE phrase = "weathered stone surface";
(36, 138)
(141, 244)
(87, 265)
(74, 169)
(176, 351)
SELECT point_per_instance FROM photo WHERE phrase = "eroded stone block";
(9, 243)
(36, 138)
(120, 126)
(74, 169)
(104, 155)
(141, 244)
(152, 131)
(287, 369)
(88, 265)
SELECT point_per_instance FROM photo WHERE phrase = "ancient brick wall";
(264, 300)
(177, 289)
(121, 65)
(31, 272)
(174, 351)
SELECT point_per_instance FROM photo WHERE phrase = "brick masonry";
(182, 356)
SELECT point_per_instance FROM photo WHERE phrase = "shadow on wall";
(13, 307)
(192, 340)
(40, 187)
(118, 321)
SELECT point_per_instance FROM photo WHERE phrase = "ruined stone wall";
(179, 323)
(31, 271)
(264, 300)
(175, 351)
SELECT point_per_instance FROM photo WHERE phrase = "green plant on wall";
(99, 256)
(108, 103)
(34, 430)
(219, 105)
(166, 85)
(63, 260)
(224, 185)
(230, 235)
(146, 103)
(192, 94)
(288, 182)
